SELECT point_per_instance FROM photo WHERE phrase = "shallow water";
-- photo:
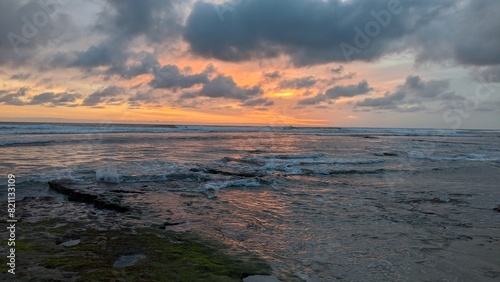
(325, 204)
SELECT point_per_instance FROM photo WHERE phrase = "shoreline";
(75, 240)
(402, 231)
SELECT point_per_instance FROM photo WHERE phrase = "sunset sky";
(361, 63)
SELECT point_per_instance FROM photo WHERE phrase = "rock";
(171, 223)
(87, 196)
(73, 195)
(70, 243)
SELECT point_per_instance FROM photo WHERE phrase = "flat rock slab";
(70, 243)
(90, 195)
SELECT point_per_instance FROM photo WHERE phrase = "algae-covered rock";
(131, 254)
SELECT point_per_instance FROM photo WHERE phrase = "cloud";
(9, 97)
(428, 89)
(479, 21)
(337, 70)
(310, 32)
(272, 75)
(388, 101)
(225, 87)
(106, 95)
(412, 95)
(313, 100)
(54, 99)
(19, 97)
(318, 32)
(336, 79)
(258, 102)
(488, 74)
(171, 77)
(27, 27)
(121, 24)
(157, 20)
(20, 76)
(348, 90)
(298, 83)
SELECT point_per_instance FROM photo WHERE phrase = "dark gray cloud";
(29, 26)
(430, 89)
(19, 97)
(316, 32)
(388, 101)
(55, 99)
(298, 83)
(143, 97)
(258, 102)
(116, 59)
(348, 90)
(272, 75)
(412, 95)
(155, 21)
(140, 98)
(336, 79)
(20, 76)
(108, 95)
(313, 100)
(337, 70)
(225, 87)
(311, 32)
(337, 92)
(171, 77)
(479, 21)
(13, 97)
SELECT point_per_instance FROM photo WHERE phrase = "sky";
(337, 63)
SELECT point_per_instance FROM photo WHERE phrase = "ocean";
(326, 204)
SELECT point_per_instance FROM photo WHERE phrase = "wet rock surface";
(87, 194)
(75, 241)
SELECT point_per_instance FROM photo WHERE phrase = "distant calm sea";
(325, 203)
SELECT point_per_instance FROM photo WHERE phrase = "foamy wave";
(17, 128)
(241, 183)
(468, 157)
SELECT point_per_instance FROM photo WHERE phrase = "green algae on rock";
(164, 255)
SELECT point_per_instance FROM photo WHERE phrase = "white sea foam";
(108, 174)
(16, 128)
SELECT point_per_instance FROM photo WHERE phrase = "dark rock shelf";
(86, 194)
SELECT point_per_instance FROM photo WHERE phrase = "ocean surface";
(351, 204)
